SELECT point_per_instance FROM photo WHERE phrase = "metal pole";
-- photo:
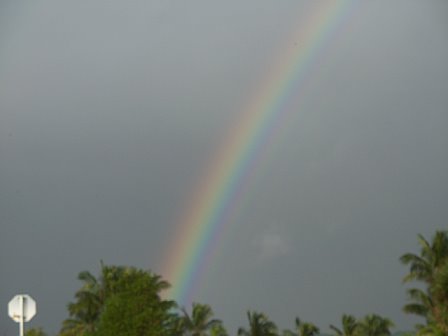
(21, 315)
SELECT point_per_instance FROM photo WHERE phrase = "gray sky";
(110, 111)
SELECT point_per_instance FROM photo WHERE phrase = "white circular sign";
(22, 305)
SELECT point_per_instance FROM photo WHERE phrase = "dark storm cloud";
(110, 111)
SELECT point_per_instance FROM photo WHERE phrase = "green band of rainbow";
(200, 226)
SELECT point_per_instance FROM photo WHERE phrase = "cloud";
(272, 245)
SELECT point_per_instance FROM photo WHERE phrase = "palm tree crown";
(429, 267)
(349, 326)
(259, 325)
(200, 322)
(432, 256)
(375, 325)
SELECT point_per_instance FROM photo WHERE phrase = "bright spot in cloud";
(272, 245)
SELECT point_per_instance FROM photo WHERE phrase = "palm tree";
(200, 322)
(218, 330)
(349, 326)
(303, 329)
(428, 267)
(91, 297)
(439, 294)
(375, 325)
(422, 304)
(84, 313)
(136, 307)
(259, 325)
(35, 332)
(432, 256)
(76, 327)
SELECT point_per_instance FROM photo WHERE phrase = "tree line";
(127, 301)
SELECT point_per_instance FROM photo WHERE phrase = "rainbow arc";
(207, 215)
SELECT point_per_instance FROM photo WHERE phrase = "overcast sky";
(111, 110)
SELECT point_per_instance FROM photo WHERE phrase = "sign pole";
(21, 315)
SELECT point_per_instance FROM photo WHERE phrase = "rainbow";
(202, 223)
